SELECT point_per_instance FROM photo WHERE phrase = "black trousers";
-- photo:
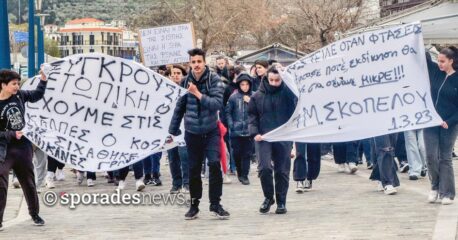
(19, 158)
(241, 149)
(280, 154)
(53, 164)
(201, 147)
(308, 161)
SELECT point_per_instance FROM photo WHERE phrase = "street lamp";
(42, 16)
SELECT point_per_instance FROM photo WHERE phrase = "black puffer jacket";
(270, 107)
(237, 110)
(200, 116)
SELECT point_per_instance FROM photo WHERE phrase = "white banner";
(100, 112)
(167, 44)
(367, 85)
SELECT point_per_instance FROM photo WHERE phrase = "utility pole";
(31, 52)
(5, 58)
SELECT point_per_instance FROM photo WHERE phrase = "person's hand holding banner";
(100, 113)
(366, 85)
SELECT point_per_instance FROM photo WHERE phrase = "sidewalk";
(341, 206)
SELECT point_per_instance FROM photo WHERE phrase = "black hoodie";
(270, 107)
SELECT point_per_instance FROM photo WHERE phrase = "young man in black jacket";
(270, 107)
(15, 149)
(200, 107)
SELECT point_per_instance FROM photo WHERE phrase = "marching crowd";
(247, 103)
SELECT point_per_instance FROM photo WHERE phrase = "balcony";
(91, 43)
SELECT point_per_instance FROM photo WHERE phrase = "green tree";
(51, 47)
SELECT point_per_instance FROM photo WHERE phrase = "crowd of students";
(248, 103)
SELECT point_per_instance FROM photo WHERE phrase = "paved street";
(341, 206)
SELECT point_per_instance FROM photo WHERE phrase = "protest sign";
(367, 85)
(166, 45)
(101, 113)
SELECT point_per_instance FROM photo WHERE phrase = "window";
(91, 39)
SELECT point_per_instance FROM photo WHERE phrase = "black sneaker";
(265, 206)
(147, 180)
(454, 155)
(1, 227)
(240, 179)
(370, 166)
(156, 182)
(245, 181)
(281, 209)
(110, 179)
(219, 211)
(192, 213)
(413, 177)
(423, 172)
(37, 220)
(175, 190)
(403, 167)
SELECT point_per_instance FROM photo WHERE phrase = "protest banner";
(367, 85)
(166, 44)
(101, 113)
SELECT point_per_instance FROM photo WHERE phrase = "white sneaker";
(446, 201)
(328, 156)
(226, 179)
(50, 181)
(60, 176)
(352, 167)
(16, 183)
(390, 190)
(121, 185)
(139, 185)
(79, 177)
(341, 168)
(90, 182)
(300, 186)
(380, 187)
(432, 196)
(307, 185)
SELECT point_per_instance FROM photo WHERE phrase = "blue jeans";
(416, 152)
(345, 152)
(178, 162)
(366, 144)
(152, 164)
